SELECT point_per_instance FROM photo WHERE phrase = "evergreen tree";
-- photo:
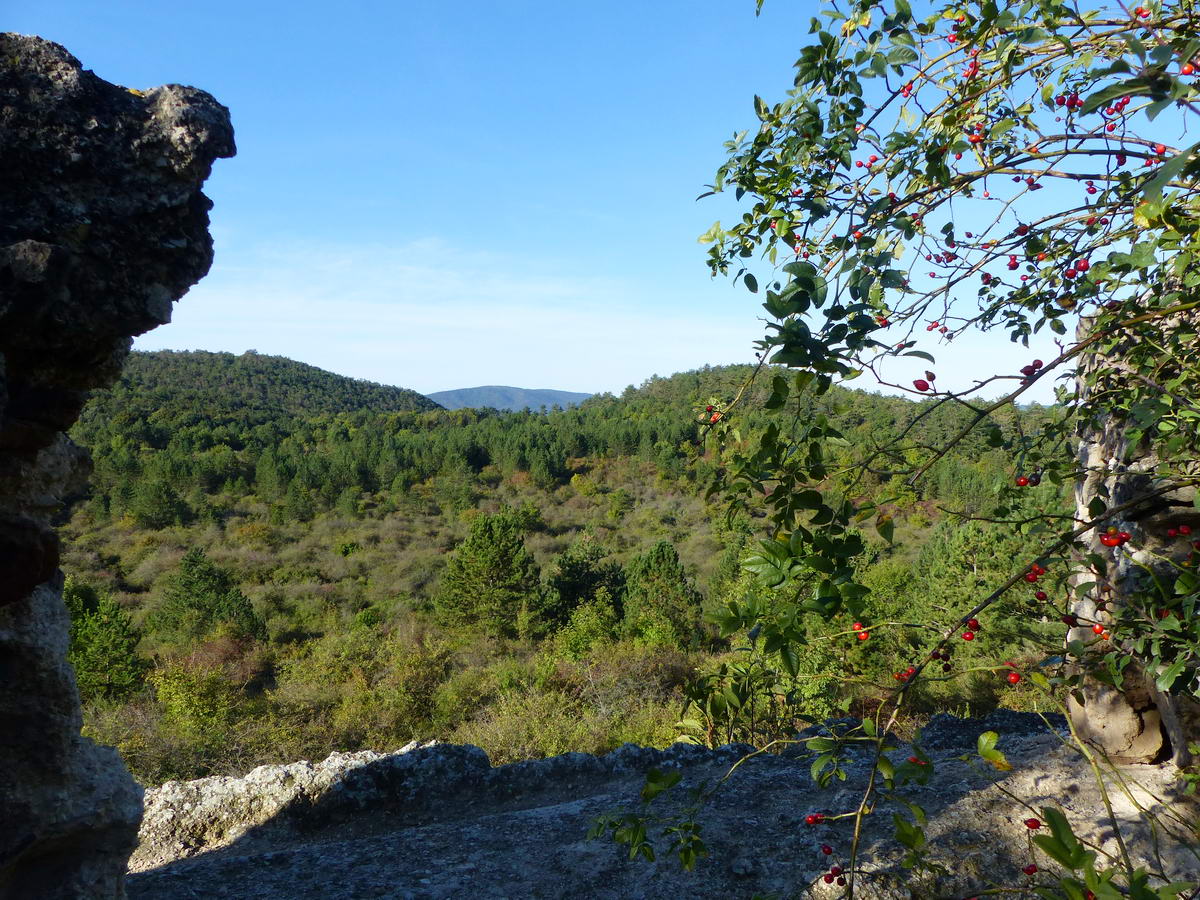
(103, 649)
(491, 580)
(579, 573)
(202, 596)
(155, 504)
(661, 605)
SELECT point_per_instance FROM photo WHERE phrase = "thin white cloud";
(430, 316)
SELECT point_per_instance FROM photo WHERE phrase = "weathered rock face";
(1138, 723)
(436, 821)
(102, 227)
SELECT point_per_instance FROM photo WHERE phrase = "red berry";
(1185, 530)
(968, 636)
(1022, 481)
(1070, 620)
(946, 667)
(811, 819)
(1098, 628)
(863, 635)
(921, 384)
(1031, 577)
(827, 850)
(1030, 869)
(1013, 677)
(827, 878)
(1187, 69)
(973, 624)
(1033, 824)
(1171, 532)
(1160, 149)
(835, 870)
(857, 626)
(1041, 595)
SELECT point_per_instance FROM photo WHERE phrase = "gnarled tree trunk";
(1138, 723)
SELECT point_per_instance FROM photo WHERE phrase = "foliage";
(103, 650)
(662, 608)
(895, 192)
(490, 579)
(580, 574)
(201, 597)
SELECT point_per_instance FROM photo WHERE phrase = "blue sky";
(441, 195)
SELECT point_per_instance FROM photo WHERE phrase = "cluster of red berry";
(713, 417)
(972, 627)
(863, 634)
(1141, 12)
(1070, 101)
(906, 674)
(1181, 531)
(1035, 572)
(924, 384)
(1115, 537)
(814, 819)
(1028, 480)
(834, 874)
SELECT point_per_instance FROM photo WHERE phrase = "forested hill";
(182, 388)
(496, 396)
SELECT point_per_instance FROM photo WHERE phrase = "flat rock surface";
(434, 821)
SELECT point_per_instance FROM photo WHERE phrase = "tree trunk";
(1137, 723)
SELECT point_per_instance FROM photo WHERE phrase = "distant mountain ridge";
(497, 396)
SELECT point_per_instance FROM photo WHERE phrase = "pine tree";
(661, 605)
(491, 580)
(579, 573)
(202, 596)
(103, 649)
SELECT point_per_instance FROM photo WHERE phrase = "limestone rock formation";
(102, 227)
(435, 821)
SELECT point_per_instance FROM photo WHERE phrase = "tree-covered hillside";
(195, 386)
(306, 572)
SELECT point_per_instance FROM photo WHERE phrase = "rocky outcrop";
(102, 227)
(436, 821)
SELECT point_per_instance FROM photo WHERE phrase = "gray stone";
(435, 821)
(102, 226)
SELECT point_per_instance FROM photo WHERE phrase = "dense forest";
(275, 562)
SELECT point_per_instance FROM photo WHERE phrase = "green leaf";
(789, 657)
(658, 781)
(885, 526)
(1167, 678)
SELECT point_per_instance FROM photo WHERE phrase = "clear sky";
(440, 195)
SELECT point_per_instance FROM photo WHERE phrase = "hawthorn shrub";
(971, 168)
